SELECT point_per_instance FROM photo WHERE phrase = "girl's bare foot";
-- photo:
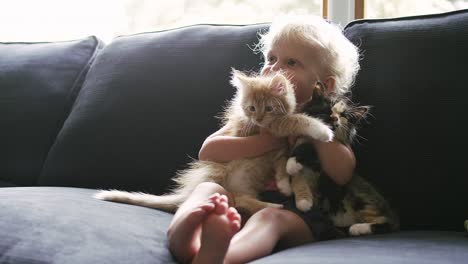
(217, 230)
(184, 233)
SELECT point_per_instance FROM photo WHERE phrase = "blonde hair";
(340, 58)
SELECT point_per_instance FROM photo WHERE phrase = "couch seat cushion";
(401, 247)
(67, 225)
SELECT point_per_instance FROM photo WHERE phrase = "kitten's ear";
(239, 79)
(360, 112)
(278, 84)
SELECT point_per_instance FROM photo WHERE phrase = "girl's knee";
(276, 216)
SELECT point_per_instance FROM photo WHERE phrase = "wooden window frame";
(359, 9)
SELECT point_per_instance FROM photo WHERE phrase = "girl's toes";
(214, 197)
(233, 215)
(208, 206)
(221, 207)
(221, 204)
(235, 226)
(223, 198)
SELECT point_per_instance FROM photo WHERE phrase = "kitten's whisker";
(244, 129)
(281, 106)
(247, 129)
(357, 139)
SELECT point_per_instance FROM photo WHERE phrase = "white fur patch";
(293, 167)
(111, 195)
(320, 131)
(284, 186)
(360, 229)
(339, 107)
(304, 205)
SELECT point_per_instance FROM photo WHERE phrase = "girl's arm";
(337, 160)
(220, 148)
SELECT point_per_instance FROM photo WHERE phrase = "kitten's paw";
(360, 229)
(293, 167)
(304, 204)
(323, 133)
(274, 205)
(284, 186)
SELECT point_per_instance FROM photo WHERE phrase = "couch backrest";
(414, 74)
(147, 104)
(38, 85)
(149, 101)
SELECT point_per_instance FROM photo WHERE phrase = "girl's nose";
(276, 67)
(271, 68)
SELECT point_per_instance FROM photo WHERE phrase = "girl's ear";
(278, 84)
(319, 90)
(330, 85)
(239, 79)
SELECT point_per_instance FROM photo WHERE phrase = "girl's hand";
(275, 142)
(292, 140)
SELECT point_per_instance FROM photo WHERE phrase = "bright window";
(398, 8)
(52, 20)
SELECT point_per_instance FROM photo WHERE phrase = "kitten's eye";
(292, 62)
(268, 108)
(252, 108)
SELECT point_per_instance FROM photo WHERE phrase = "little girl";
(206, 228)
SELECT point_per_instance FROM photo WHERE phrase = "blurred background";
(54, 20)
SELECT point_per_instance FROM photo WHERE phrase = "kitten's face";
(262, 108)
(341, 116)
(345, 120)
(264, 98)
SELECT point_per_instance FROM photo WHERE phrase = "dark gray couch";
(80, 115)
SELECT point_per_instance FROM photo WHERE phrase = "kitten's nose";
(334, 118)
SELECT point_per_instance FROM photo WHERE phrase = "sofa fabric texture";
(147, 104)
(67, 225)
(39, 83)
(413, 74)
(78, 116)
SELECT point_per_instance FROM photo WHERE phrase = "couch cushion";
(148, 103)
(39, 83)
(67, 225)
(401, 247)
(414, 74)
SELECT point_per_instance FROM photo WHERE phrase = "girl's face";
(298, 62)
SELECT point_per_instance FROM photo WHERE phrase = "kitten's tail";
(168, 203)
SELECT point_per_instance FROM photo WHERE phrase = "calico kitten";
(260, 101)
(356, 205)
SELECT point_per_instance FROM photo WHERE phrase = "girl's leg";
(263, 231)
(217, 231)
(185, 228)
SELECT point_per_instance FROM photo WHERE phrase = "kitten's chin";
(263, 124)
(256, 123)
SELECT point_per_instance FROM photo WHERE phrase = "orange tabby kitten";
(260, 101)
